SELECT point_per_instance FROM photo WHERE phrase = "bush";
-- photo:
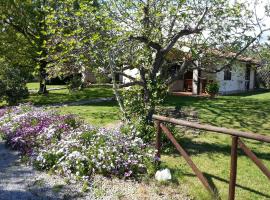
(75, 83)
(212, 88)
(71, 148)
(12, 85)
(137, 110)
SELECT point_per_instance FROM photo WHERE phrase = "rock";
(163, 175)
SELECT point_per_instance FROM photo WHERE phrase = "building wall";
(177, 86)
(131, 72)
(88, 76)
(237, 82)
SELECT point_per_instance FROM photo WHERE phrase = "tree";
(144, 35)
(148, 32)
(27, 18)
(12, 82)
(16, 67)
(72, 25)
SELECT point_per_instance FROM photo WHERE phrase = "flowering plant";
(70, 147)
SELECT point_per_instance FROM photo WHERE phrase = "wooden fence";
(236, 141)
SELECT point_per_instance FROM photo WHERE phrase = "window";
(227, 74)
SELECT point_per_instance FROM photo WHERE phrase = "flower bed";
(70, 147)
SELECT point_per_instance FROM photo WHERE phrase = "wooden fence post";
(233, 171)
(158, 139)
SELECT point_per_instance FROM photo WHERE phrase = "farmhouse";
(239, 77)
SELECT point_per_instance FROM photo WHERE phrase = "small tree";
(12, 83)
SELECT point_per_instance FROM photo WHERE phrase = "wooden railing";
(236, 141)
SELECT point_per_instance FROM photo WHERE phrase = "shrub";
(12, 85)
(212, 88)
(138, 109)
(71, 148)
(75, 83)
(22, 126)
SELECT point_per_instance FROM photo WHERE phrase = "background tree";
(27, 18)
(72, 28)
(15, 66)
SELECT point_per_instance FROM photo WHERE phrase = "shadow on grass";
(248, 114)
(196, 148)
(211, 177)
(63, 96)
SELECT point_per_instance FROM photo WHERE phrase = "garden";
(81, 84)
(70, 141)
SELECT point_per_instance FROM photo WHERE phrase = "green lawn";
(64, 96)
(98, 114)
(35, 86)
(211, 152)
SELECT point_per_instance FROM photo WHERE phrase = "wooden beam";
(254, 158)
(198, 173)
(233, 171)
(227, 131)
(158, 139)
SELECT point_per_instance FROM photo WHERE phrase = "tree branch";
(171, 79)
(235, 57)
(20, 30)
(131, 84)
(145, 40)
(186, 31)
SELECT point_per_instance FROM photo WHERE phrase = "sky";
(258, 6)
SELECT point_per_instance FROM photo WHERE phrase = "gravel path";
(21, 182)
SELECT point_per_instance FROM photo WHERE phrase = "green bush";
(212, 88)
(12, 84)
(75, 83)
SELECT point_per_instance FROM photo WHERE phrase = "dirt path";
(21, 182)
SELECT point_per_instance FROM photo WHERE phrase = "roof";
(175, 54)
(241, 58)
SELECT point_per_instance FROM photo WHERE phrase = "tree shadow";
(247, 114)
(211, 177)
(195, 148)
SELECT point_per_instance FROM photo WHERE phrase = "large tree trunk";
(148, 103)
(42, 78)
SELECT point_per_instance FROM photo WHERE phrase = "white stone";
(163, 175)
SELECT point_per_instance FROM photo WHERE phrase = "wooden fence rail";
(236, 141)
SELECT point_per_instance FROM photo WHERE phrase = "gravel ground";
(21, 182)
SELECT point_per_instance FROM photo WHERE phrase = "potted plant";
(212, 89)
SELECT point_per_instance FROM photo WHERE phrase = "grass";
(211, 152)
(35, 86)
(98, 114)
(64, 96)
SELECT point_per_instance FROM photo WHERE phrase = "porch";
(193, 83)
